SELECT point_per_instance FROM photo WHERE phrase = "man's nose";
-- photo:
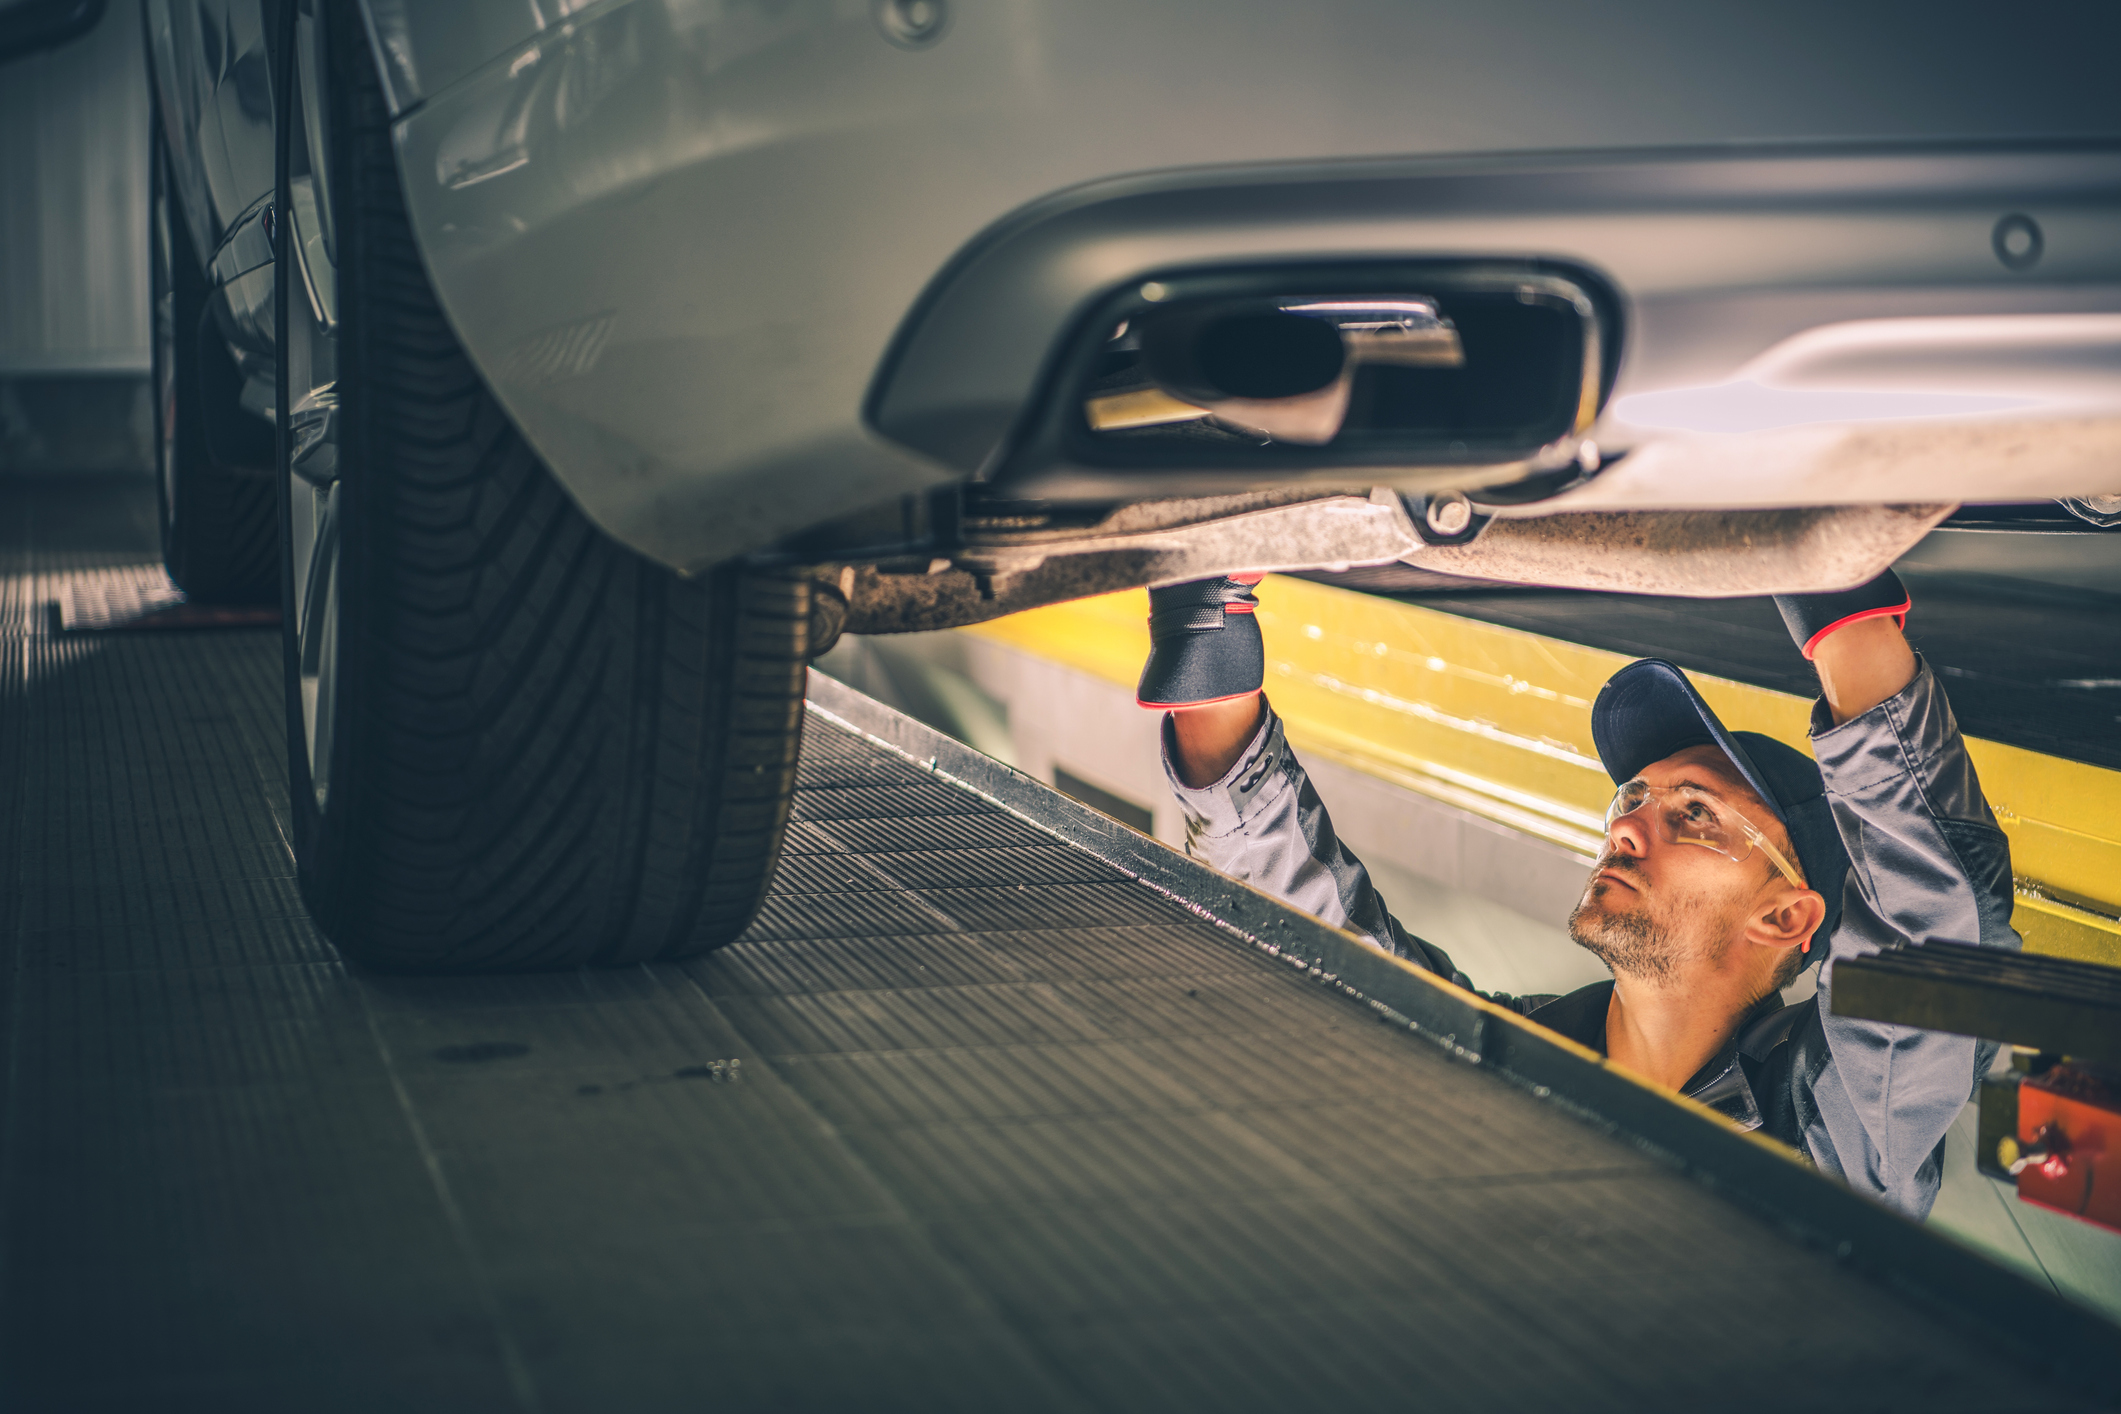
(1629, 835)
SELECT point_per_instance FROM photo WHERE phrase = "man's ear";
(1788, 918)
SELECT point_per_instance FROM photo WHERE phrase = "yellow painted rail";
(1498, 721)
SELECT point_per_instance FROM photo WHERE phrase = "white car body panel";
(213, 88)
(679, 236)
(1721, 258)
(212, 81)
(423, 47)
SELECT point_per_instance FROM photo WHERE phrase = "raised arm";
(1205, 742)
(1250, 809)
(1862, 666)
(1927, 864)
(1261, 822)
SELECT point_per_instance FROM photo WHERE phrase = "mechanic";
(1731, 862)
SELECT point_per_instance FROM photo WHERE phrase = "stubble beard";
(1632, 942)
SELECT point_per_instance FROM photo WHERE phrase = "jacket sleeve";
(1264, 825)
(1927, 863)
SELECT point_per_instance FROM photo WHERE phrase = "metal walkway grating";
(974, 1118)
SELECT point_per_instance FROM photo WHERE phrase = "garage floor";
(972, 1118)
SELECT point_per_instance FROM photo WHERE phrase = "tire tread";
(559, 753)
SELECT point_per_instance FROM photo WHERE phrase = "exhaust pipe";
(1276, 371)
(1426, 375)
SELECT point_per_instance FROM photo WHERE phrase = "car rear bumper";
(734, 284)
(1791, 328)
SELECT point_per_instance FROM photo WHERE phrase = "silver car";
(573, 372)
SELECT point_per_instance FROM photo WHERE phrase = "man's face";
(1652, 906)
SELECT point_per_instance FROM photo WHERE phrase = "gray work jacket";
(1862, 1100)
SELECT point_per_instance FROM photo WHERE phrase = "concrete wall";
(73, 254)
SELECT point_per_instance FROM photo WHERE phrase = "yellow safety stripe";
(1497, 721)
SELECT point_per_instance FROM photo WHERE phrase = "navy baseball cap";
(1648, 710)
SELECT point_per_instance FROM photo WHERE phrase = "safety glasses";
(1686, 815)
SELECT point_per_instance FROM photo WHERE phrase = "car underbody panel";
(1702, 554)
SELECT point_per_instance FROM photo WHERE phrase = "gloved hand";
(1204, 644)
(1811, 617)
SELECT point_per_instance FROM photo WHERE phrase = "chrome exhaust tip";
(1424, 375)
(1279, 370)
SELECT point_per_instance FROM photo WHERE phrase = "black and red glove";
(1204, 644)
(1811, 617)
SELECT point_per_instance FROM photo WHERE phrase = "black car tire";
(220, 532)
(543, 750)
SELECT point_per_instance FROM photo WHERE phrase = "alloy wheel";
(163, 315)
(309, 347)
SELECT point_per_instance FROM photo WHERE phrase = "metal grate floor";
(971, 1119)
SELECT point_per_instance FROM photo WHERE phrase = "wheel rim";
(162, 274)
(309, 346)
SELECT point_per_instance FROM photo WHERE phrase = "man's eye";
(1699, 814)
